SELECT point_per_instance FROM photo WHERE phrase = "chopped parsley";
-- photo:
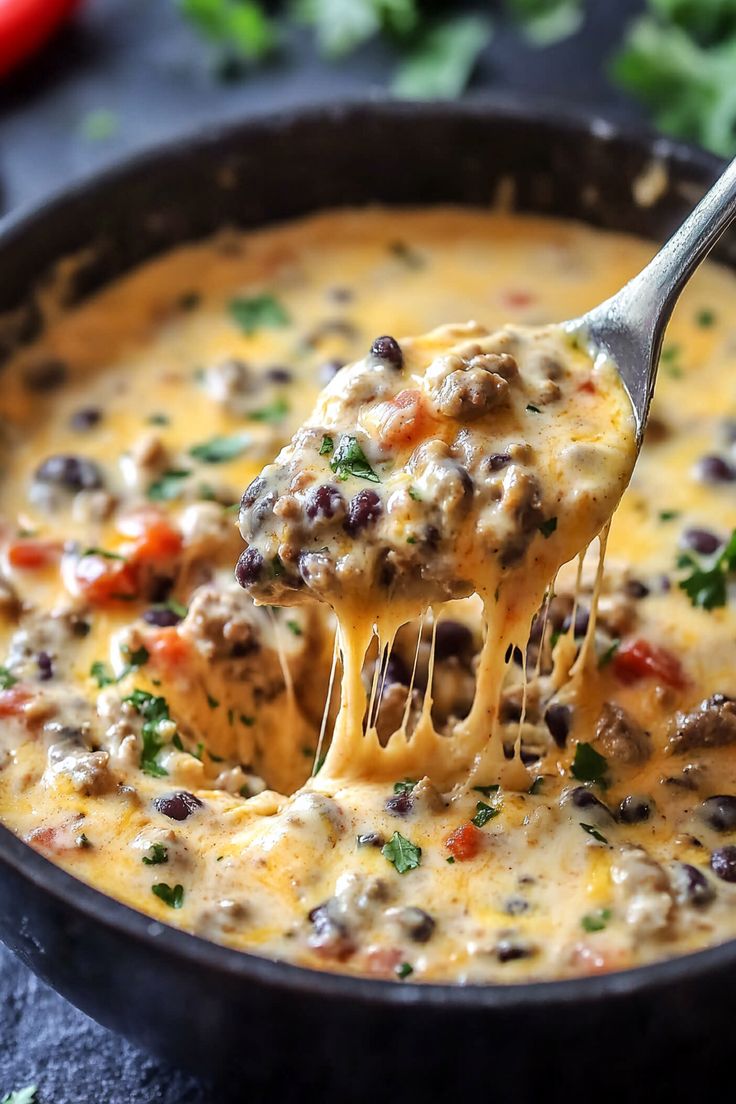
(441, 60)
(173, 896)
(213, 703)
(484, 813)
(544, 22)
(168, 486)
(607, 656)
(155, 711)
(705, 586)
(404, 787)
(668, 515)
(404, 970)
(157, 854)
(158, 419)
(548, 527)
(327, 447)
(705, 318)
(218, 450)
(258, 312)
(402, 853)
(537, 785)
(487, 790)
(414, 494)
(7, 679)
(99, 124)
(103, 676)
(588, 765)
(593, 831)
(349, 459)
(242, 31)
(274, 412)
(596, 921)
(102, 552)
(294, 627)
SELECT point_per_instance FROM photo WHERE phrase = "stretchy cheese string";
(326, 710)
(586, 656)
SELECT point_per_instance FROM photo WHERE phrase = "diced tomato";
(13, 700)
(465, 842)
(168, 648)
(403, 420)
(637, 659)
(158, 541)
(54, 839)
(101, 580)
(33, 554)
(517, 298)
(588, 386)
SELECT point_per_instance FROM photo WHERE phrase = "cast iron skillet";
(265, 1027)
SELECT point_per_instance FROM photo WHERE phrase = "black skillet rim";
(270, 973)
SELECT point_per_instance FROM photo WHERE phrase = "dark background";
(139, 61)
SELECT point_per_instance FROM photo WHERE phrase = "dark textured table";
(136, 59)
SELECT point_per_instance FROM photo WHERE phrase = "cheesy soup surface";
(164, 738)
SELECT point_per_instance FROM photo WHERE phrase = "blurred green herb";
(240, 30)
(544, 22)
(99, 125)
(441, 60)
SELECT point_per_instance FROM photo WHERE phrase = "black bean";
(583, 798)
(325, 500)
(723, 863)
(515, 906)
(496, 461)
(45, 666)
(74, 473)
(719, 812)
(388, 349)
(177, 806)
(396, 671)
(277, 374)
(634, 588)
(452, 638)
(418, 924)
(249, 567)
(400, 804)
(714, 469)
(698, 889)
(87, 417)
(365, 508)
(431, 536)
(634, 809)
(45, 375)
(700, 540)
(161, 616)
(582, 620)
(507, 950)
(558, 719)
(370, 839)
(252, 492)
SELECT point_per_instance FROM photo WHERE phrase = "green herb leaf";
(168, 486)
(705, 318)
(414, 494)
(213, 703)
(537, 785)
(241, 28)
(99, 124)
(273, 413)
(102, 674)
(596, 921)
(258, 312)
(609, 653)
(220, 449)
(487, 790)
(7, 679)
(441, 62)
(668, 515)
(157, 854)
(158, 419)
(349, 459)
(484, 813)
(593, 831)
(404, 970)
(294, 627)
(343, 25)
(173, 896)
(588, 765)
(21, 1096)
(154, 710)
(544, 22)
(548, 527)
(402, 853)
(405, 787)
(705, 586)
(327, 447)
(104, 553)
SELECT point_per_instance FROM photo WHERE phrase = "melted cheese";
(543, 884)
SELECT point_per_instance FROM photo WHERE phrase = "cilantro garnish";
(327, 446)
(99, 124)
(705, 318)
(7, 679)
(258, 312)
(544, 22)
(403, 970)
(593, 831)
(596, 921)
(220, 449)
(157, 854)
(241, 31)
(168, 486)
(103, 676)
(154, 711)
(487, 790)
(404, 787)
(102, 552)
(607, 656)
(668, 515)
(349, 459)
(294, 627)
(537, 785)
(588, 765)
(173, 896)
(274, 412)
(548, 527)
(705, 586)
(441, 61)
(402, 853)
(484, 813)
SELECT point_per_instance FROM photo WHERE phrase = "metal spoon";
(629, 327)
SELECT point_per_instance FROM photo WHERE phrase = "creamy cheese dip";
(159, 728)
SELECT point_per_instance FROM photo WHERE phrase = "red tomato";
(26, 24)
(13, 700)
(168, 649)
(637, 659)
(158, 541)
(404, 419)
(465, 842)
(101, 580)
(32, 554)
